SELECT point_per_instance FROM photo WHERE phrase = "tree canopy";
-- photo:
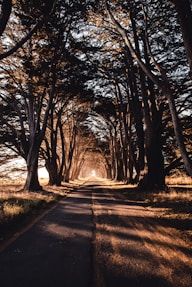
(103, 79)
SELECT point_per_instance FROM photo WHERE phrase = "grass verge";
(18, 209)
(173, 208)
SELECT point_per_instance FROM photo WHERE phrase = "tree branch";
(5, 13)
(134, 54)
(29, 35)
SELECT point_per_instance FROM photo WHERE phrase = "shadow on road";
(54, 252)
(98, 238)
(134, 248)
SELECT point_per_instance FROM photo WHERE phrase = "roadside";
(172, 208)
(56, 250)
(19, 210)
(133, 247)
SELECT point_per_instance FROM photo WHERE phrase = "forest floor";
(100, 234)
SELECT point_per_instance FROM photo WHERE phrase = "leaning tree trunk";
(178, 131)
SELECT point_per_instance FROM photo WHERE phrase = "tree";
(128, 86)
(36, 91)
(162, 83)
(6, 11)
(128, 54)
(142, 83)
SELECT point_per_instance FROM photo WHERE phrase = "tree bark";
(178, 131)
(154, 177)
(32, 181)
(135, 115)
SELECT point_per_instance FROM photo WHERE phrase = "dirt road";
(96, 238)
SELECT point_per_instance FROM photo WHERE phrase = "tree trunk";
(54, 175)
(66, 175)
(6, 7)
(178, 132)
(32, 181)
(54, 164)
(112, 155)
(155, 176)
(185, 17)
(135, 114)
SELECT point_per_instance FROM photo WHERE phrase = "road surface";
(94, 238)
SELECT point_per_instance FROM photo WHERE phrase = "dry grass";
(179, 180)
(172, 207)
(14, 203)
(18, 207)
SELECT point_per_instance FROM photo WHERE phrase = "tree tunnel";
(92, 101)
(94, 165)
